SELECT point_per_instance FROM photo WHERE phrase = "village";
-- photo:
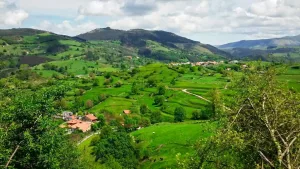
(207, 63)
(80, 123)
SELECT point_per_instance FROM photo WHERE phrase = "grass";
(114, 104)
(81, 67)
(165, 141)
(47, 73)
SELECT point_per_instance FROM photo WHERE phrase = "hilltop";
(157, 44)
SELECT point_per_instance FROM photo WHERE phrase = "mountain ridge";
(287, 41)
(139, 38)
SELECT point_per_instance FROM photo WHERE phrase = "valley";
(157, 100)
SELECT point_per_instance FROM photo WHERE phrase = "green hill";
(178, 47)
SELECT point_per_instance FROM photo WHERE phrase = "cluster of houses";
(197, 63)
(208, 63)
(81, 123)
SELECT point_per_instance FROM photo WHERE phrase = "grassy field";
(292, 77)
(164, 141)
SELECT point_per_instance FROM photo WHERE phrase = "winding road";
(202, 98)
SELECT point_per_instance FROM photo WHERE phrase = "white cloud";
(100, 8)
(67, 27)
(79, 17)
(248, 18)
(10, 15)
(252, 18)
(2, 4)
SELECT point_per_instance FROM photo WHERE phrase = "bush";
(118, 84)
(179, 114)
(89, 104)
(159, 100)
(156, 117)
(161, 90)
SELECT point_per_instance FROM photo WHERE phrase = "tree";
(155, 117)
(145, 122)
(144, 109)
(135, 88)
(268, 114)
(34, 140)
(179, 114)
(101, 120)
(62, 104)
(102, 97)
(119, 146)
(106, 131)
(89, 104)
(152, 82)
(159, 100)
(119, 84)
(217, 104)
(161, 90)
(173, 82)
(200, 115)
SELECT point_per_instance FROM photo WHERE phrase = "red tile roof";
(84, 126)
(127, 111)
(75, 121)
(91, 117)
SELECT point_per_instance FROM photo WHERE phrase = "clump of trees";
(29, 136)
(117, 147)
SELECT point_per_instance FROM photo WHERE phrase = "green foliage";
(41, 144)
(155, 117)
(134, 88)
(159, 100)
(144, 109)
(161, 90)
(117, 146)
(179, 114)
(200, 115)
(89, 104)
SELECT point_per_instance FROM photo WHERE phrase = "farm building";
(90, 118)
(126, 112)
(80, 125)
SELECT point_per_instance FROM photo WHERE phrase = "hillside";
(139, 38)
(286, 49)
(289, 41)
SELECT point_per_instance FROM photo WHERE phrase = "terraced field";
(164, 141)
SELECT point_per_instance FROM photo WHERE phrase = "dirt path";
(87, 137)
(202, 98)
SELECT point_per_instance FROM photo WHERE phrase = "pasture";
(164, 141)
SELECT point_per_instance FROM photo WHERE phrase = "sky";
(208, 21)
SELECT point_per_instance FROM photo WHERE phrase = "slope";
(187, 49)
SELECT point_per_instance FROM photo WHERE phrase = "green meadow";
(164, 141)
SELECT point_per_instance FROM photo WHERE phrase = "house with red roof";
(126, 112)
(90, 118)
(80, 125)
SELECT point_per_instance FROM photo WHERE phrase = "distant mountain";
(130, 37)
(289, 41)
(140, 38)
(20, 32)
(158, 45)
(286, 49)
